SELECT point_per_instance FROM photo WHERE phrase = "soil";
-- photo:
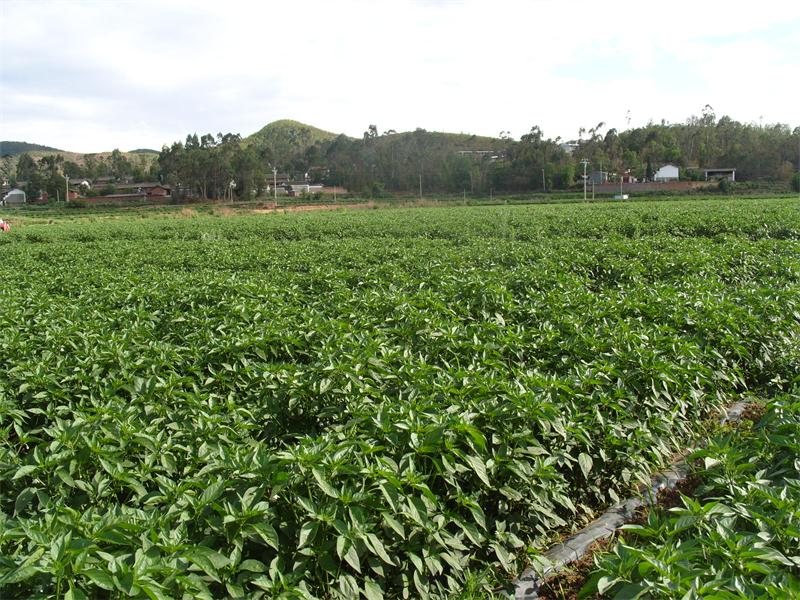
(567, 584)
(310, 207)
(671, 498)
(753, 412)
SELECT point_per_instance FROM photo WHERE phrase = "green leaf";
(21, 574)
(585, 462)
(101, 579)
(477, 514)
(351, 556)
(153, 590)
(479, 467)
(207, 559)
(606, 583)
(213, 491)
(23, 500)
(234, 589)
(417, 510)
(267, 533)
(630, 591)
(372, 590)
(64, 476)
(323, 483)
(378, 548)
(395, 525)
(75, 594)
(23, 471)
(307, 532)
(252, 565)
(504, 557)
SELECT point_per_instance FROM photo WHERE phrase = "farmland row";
(364, 403)
(737, 537)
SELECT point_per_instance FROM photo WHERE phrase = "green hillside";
(15, 148)
(286, 137)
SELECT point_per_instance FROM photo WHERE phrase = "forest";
(454, 163)
(230, 166)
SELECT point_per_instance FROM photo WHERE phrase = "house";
(729, 174)
(15, 196)
(81, 183)
(666, 173)
(144, 188)
(278, 180)
(299, 187)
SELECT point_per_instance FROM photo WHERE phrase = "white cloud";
(90, 75)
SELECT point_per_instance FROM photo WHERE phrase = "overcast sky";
(89, 76)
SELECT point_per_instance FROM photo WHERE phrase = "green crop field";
(739, 537)
(376, 403)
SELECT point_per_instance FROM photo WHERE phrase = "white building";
(666, 173)
(15, 196)
(729, 174)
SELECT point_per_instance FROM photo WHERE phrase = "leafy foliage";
(370, 403)
(738, 539)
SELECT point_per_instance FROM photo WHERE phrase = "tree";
(120, 166)
(26, 166)
(371, 133)
(73, 169)
(796, 182)
(6, 170)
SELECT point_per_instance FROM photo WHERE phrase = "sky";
(93, 75)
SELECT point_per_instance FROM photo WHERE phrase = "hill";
(288, 138)
(15, 148)
(137, 163)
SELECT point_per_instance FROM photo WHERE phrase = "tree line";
(228, 166)
(456, 163)
(46, 174)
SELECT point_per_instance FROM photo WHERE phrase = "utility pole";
(275, 185)
(585, 163)
(66, 197)
(544, 184)
(420, 186)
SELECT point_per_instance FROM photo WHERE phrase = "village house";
(667, 173)
(14, 196)
(720, 173)
(296, 188)
(148, 189)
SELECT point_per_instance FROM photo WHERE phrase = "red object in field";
(5, 226)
